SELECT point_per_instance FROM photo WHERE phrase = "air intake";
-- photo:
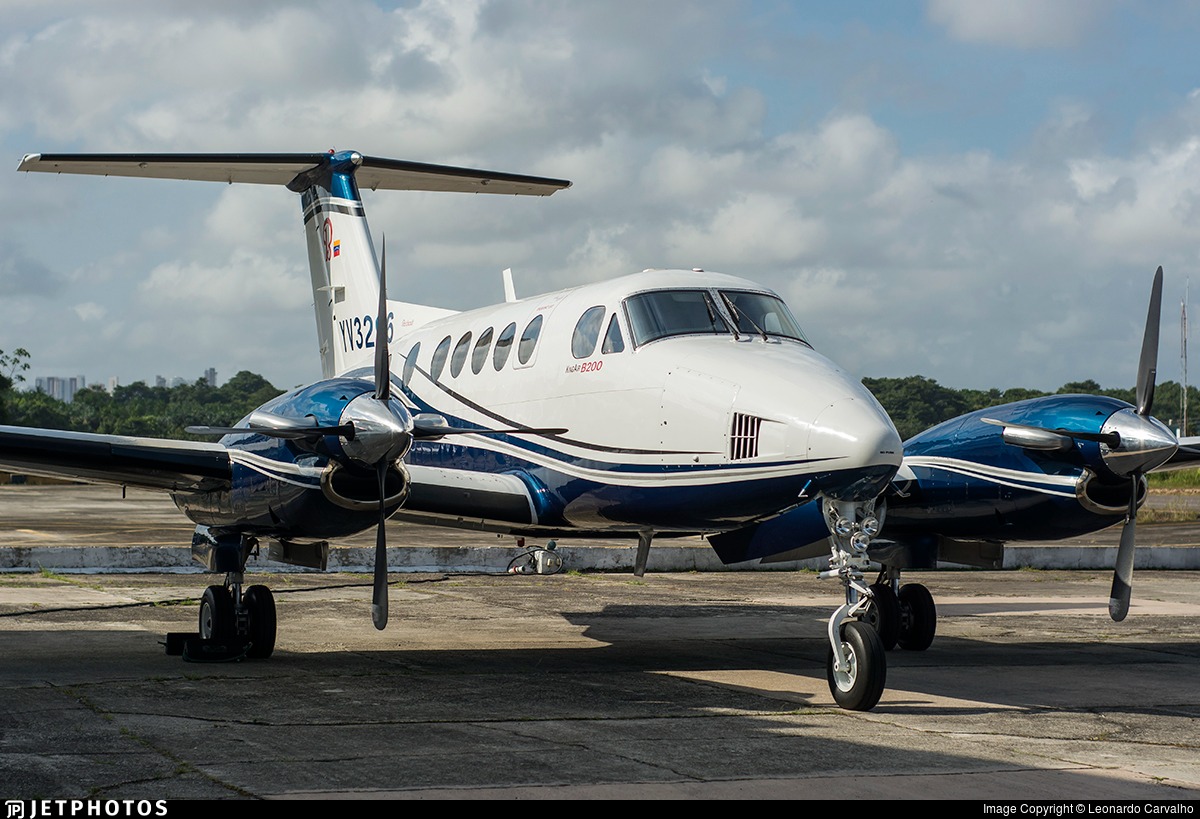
(743, 437)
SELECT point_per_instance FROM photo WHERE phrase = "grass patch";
(63, 578)
(1175, 479)
(1173, 512)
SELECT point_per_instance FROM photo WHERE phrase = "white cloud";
(1016, 23)
(90, 311)
(246, 284)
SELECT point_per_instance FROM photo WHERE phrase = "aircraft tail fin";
(341, 256)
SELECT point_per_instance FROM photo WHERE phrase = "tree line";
(136, 409)
(915, 403)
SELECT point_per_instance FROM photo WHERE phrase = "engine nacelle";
(358, 490)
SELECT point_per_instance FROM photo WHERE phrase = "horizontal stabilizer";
(283, 169)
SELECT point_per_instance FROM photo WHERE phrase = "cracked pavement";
(692, 685)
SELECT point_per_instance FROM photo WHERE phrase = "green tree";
(12, 367)
(916, 403)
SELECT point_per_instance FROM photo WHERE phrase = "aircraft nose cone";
(860, 444)
(1145, 443)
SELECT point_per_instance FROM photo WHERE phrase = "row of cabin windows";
(583, 344)
(478, 353)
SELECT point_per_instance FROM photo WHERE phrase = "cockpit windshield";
(662, 313)
(665, 313)
(761, 313)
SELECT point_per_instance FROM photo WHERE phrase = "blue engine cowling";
(298, 487)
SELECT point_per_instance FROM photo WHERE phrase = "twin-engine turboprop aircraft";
(665, 402)
(671, 401)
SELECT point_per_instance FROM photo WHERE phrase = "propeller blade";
(383, 375)
(379, 594)
(1148, 364)
(1122, 585)
(1111, 438)
(292, 433)
(427, 431)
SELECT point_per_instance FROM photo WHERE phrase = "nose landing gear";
(856, 666)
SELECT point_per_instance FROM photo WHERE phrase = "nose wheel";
(858, 681)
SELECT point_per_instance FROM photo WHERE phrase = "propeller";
(383, 393)
(278, 426)
(1122, 585)
(1131, 444)
(430, 427)
(376, 430)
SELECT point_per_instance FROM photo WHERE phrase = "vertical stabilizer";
(342, 263)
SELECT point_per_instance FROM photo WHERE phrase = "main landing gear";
(229, 613)
(902, 615)
(236, 621)
(875, 618)
(235, 624)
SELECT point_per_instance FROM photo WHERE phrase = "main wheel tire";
(260, 606)
(883, 614)
(859, 687)
(217, 618)
(918, 617)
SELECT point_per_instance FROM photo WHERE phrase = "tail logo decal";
(327, 239)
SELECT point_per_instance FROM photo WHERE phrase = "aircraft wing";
(150, 463)
(284, 169)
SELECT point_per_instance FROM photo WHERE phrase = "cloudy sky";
(977, 192)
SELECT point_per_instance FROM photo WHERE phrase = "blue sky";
(977, 192)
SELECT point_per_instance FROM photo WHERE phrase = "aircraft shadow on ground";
(703, 645)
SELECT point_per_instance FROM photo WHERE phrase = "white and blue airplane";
(665, 402)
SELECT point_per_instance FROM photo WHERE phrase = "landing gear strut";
(235, 622)
(856, 666)
(230, 615)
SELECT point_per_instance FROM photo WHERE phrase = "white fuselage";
(704, 409)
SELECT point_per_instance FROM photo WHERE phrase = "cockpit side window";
(613, 341)
(665, 313)
(587, 331)
(759, 313)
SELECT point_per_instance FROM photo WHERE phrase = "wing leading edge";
(150, 463)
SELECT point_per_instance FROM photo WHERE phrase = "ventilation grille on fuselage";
(743, 437)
